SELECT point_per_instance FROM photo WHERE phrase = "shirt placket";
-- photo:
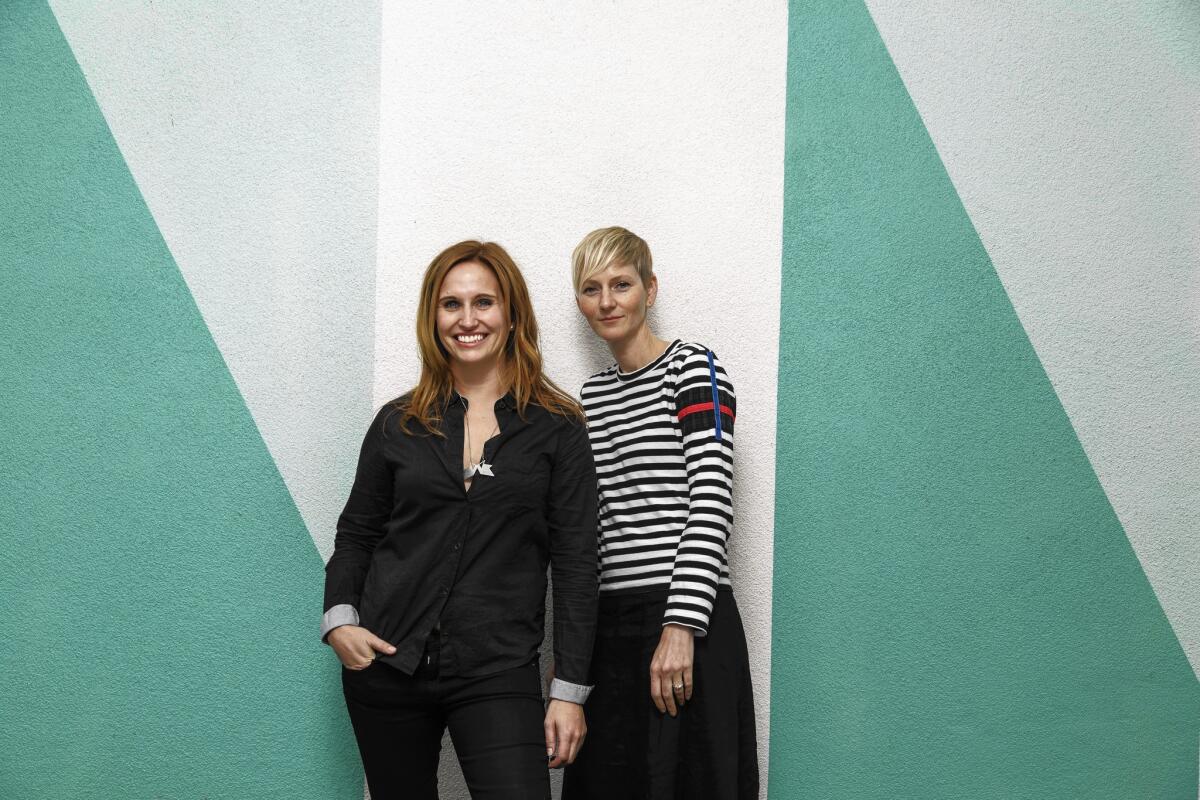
(456, 417)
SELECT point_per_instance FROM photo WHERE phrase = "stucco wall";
(988, 371)
(948, 255)
(531, 128)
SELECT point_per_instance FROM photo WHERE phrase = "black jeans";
(495, 723)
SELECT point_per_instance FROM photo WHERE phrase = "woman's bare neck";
(484, 384)
(638, 351)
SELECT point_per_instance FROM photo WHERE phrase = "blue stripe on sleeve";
(712, 374)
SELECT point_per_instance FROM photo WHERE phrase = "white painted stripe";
(250, 131)
(1079, 170)
(533, 123)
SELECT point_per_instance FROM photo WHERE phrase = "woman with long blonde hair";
(467, 488)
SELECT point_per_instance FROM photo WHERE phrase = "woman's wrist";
(676, 629)
(554, 700)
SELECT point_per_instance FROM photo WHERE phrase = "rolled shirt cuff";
(571, 692)
(336, 617)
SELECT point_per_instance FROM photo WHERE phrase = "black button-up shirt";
(417, 554)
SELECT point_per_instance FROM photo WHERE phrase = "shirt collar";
(507, 402)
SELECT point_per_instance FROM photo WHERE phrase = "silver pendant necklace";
(481, 467)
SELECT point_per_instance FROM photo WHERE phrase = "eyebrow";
(488, 295)
(620, 276)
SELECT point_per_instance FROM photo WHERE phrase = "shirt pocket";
(523, 483)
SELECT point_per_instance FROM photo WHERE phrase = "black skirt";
(632, 750)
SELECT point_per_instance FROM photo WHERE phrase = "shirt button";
(456, 545)
(445, 591)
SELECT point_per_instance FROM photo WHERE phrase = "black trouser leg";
(495, 722)
(496, 725)
(398, 723)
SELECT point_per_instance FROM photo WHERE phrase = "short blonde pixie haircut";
(606, 246)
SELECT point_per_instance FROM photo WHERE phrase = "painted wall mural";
(947, 253)
(973, 620)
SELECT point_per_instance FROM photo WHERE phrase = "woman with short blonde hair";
(672, 715)
(611, 246)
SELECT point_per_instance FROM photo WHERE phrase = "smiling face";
(472, 323)
(614, 301)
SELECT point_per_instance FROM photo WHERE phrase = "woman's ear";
(652, 291)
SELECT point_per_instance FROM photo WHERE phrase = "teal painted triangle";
(160, 589)
(957, 611)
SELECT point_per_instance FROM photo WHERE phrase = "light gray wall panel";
(1072, 134)
(251, 132)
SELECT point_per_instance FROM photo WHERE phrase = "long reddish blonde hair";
(522, 360)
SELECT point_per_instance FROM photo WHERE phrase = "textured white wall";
(1072, 134)
(254, 133)
(534, 123)
(250, 130)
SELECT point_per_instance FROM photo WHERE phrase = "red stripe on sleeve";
(698, 407)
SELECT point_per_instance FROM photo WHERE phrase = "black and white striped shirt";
(662, 437)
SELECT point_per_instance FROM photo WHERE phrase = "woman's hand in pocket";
(356, 646)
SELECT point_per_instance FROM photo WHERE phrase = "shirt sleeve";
(705, 407)
(360, 528)
(572, 529)
(336, 617)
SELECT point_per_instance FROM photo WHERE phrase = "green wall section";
(957, 611)
(160, 590)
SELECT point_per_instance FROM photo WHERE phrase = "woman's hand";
(357, 646)
(565, 730)
(671, 668)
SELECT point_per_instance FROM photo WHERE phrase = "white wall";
(536, 122)
(251, 132)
